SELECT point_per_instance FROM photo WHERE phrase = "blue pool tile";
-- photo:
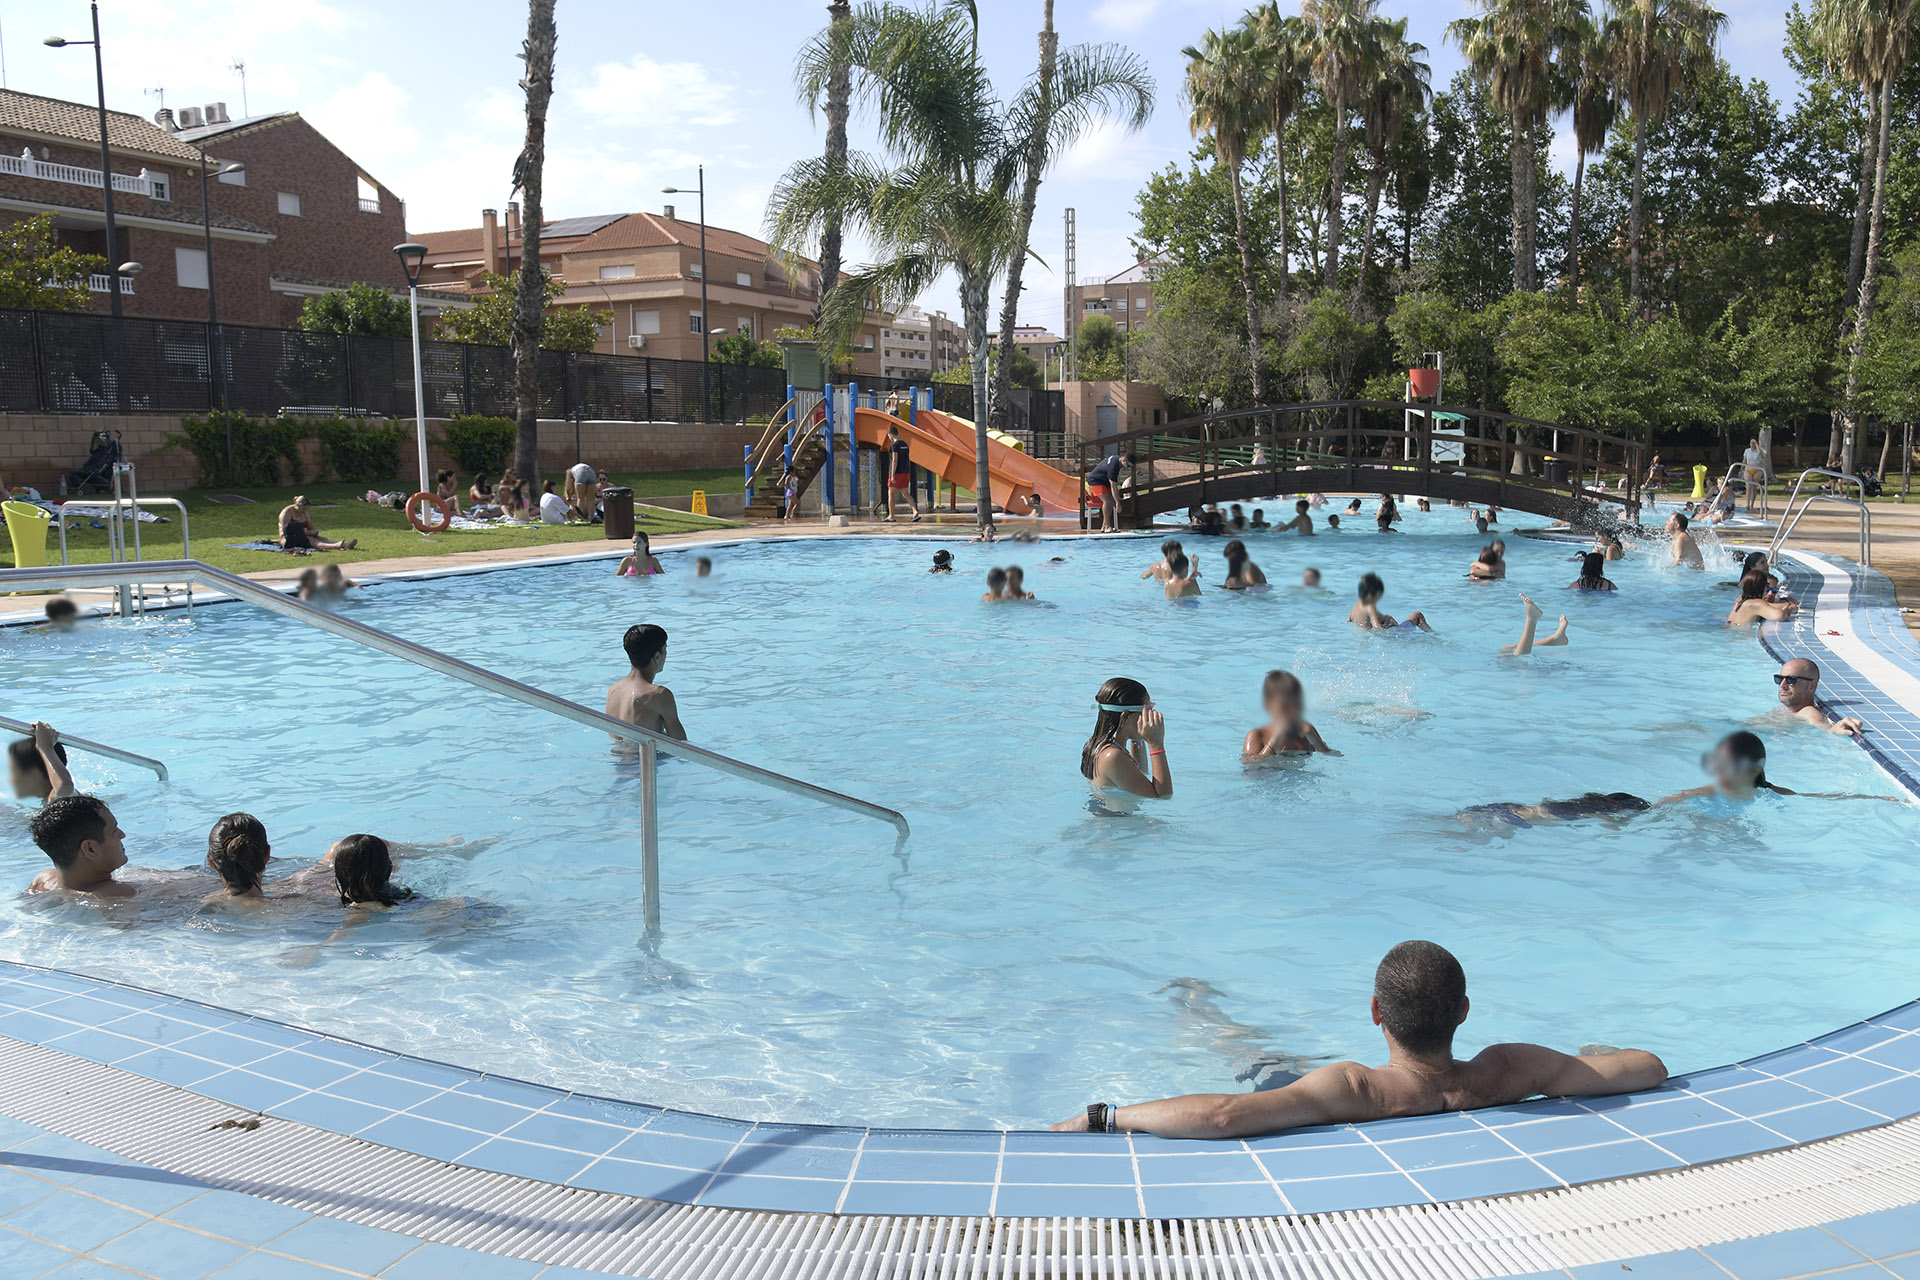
(228, 1049)
(1787, 1253)
(349, 1245)
(1765, 1098)
(1720, 1141)
(1146, 1144)
(1896, 1099)
(1223, 1165)
(918, 1199)
(388, 1092)
(142, 1188)
(673, 1149)
(12, 1131)
(358, 1056)
(1844, 1075)
(236, 1216)
(1446, 1149)
(1902, 1053)
(1786, 1061)
(33, 1028)
(61, 1159)
(1609, 1160)
(1716, 1078)
(170, 1066)
(607, 1111)
(927, 1166)
(1099, 1171)
(1076, 1144)
(244, 1089)
(648, 1181)
(1863, 1035)
(302, 1069)
(1367, 1191)
(968, 1140)
(24, 1256)
(1657, 1118)
(86, 1269)
(170, 1253)
(73, 1221)
(437, 1075)
(782, 1195)
(267, 1266)
(522, 1093)
(1422, 1126)
(815, 1136)
(439, 1261)
(1213, 1200)
(97, 1046)
(1822, 1120)
(1324, 1162)
(424, 1137)
(1494, 1178)
(688, 1125)
(1560, 1135)
(1685, 1264)
(1025, 1200)
(1906, 1017)
(525, 1160)
(275, 1034)
(1907, 1268)
(790, 1161)
(18, 1190)
(1296, 1139)
(485, 1115)
(568, 1133)
(1885, 1234)
(324, 1111)
(82, 1011)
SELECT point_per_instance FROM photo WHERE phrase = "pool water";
(1021, 954)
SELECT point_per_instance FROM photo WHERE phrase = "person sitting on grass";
(554, 509)
(1799, 684)
(37, 765)
(637, 697)
(85, 845)
(1287, 731)
(1753, 607)
(1527, 643)
(1366, 610)
(446, 487)
(1419, 1002)
(298, 534)
(642, 563)
(480, 493)
(62, 614)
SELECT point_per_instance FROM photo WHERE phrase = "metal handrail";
(1790, 518)
(97, 748)
(186, 539)
(154, 572)
(1736, 474)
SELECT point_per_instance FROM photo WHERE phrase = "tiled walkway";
(1872, 1245)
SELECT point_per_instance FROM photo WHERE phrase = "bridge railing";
(1371, 446)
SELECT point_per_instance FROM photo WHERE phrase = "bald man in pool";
(1799, 683)
(1419, 999)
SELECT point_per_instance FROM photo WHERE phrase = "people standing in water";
(1527, 643)
(238, 852)
(996, 592)
(1609, 545)
(1366, 610)
(1302, 522)
(638, 697)
(1685, 550)
(899, 475)
(1419, 1002)
(1333, 524)
(1017, 583)
(86, 846)
(1182, 581)
(1158, 569)
(1593, 574)
(1388, 515)
(1489, 565)
(1259, 522)
(641, 563)
(1753, 607)
(1287, 731)
(1127, 753)
(1799, 683)
(1310, 579)
(37, 765)
(1242, 572)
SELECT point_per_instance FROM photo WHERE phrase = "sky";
(424, 95)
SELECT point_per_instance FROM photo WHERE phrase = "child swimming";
(1366, 611)
(1287, 731)
(1242, 572)
(1126, 755)
(1182, 582)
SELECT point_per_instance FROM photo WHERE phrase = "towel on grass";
(261, 544)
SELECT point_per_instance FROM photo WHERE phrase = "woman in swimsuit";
(1490, 564)
(238, 852)
(363, 871)
(446, 487)
(1287, 732)
(1242, 572)
(1126, 755)
(1593, 574)
(642, 563)
(1754, 606)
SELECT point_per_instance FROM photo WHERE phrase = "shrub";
(360, 452)
(480, 445)
(259, 447)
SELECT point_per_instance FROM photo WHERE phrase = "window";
(744, 279)
(694, 271)
(290, 204)
(646, 322)
(158, 184)
(617, 273)
(190, 268)
(695, 322)
(238, 178)
(745, 326)
(1139, 304)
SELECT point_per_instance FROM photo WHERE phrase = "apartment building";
(645, 269)
(300, 217)
(1126, 298)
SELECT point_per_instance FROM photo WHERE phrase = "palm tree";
(1069, 94)
(530, 294)
(1343, 35)
(1281, 62)
(940, 198)
(822, 69)
(1511, 48)
(1655, 46)
(1873, 39)
(1218, 94)
(1396, 92)
(1594, 105)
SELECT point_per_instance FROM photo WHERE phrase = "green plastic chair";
(28, 525)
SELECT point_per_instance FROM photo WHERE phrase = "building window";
(290, 204)
(1139, 304)
(694, 271)
(745, 326)
(696, 323)
(190, 268)
(617, 273)
(157, 183)
(744, 279)
(646, 322)
(238, 178)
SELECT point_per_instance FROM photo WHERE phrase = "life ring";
(439, 504)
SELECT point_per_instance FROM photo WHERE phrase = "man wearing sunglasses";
(1799, 682)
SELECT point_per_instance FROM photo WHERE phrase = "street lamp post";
(214, 362)
(106, 158)
(411, 257)
(706, 318)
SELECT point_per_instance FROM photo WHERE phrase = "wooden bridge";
(1377, 446)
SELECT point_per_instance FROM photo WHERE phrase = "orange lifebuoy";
(446, 515)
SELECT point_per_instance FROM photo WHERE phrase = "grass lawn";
(383, 532)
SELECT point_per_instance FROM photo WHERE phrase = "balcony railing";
(369, 206)
(102, 283)
(25, 165)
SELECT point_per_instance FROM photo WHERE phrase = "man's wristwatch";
(1103, 1117)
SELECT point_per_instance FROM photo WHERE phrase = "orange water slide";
(944, 445)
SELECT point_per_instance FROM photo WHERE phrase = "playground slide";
(940, 443)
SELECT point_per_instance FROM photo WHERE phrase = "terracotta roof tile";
(80, 122)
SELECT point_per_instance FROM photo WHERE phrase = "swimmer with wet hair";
(238, 852)
(86, 846)
(996, 592)
(637, 697)
(1017, 583)
(1366, 614)
(37, 765)
(1594, 804)
(1242, 572)
(1527, 643)
(1333, 523)
(1388, 515)
(1310, 578)
(1489, 565)
(1302, 522)
(1127, 752)
(1259, 522)
(1686, 552)
(1353, 508)
(1182, 581)
(1753, 607)
(62, 614)
(1158, 569)
(1593, 574)
(1287, 731)
(363, 872)
(703, 567)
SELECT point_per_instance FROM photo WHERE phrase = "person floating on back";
(85, 845)
(1366, 610)
(1419, 1002)
(37, 765)
(636, 697)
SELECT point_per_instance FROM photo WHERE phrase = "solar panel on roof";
(581, 226)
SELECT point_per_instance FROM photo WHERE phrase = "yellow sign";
(699, 502)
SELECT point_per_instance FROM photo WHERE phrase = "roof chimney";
(670, 216)
(164, 118)
(513, 231)
(490, 243)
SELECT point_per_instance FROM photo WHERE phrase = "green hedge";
(266, 452)
(480, 445)
(361, 452)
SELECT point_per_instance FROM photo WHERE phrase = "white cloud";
(1126, 15)
(642, 91)
(1109, 151)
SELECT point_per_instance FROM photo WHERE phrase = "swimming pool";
(1022, 954)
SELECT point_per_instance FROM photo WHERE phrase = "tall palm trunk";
(1633, 217)
(1035, 159)
(1254, 341)
(1374, 182)
(1336, 190)
(530, 295)
(1286, 212)
(1869, 276)
(1863, 205)
(1573, 229)
(1525, 259)
(839, 98)
(975, 299)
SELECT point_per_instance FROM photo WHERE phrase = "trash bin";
(616, 509)
(1557, 472)
(1700, 483)
(28, 526)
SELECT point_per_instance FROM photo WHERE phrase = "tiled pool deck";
(75, 1210)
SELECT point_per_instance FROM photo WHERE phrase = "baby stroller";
(97, 471)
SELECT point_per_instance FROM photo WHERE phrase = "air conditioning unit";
(638, 341)
(190, 118)
(217, 113)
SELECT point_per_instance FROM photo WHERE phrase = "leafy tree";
(1395, 93)
(741, 348)
(490, 320)
(37, 273)
(359, 308)
(1592, 105)
(1219, 90)
(1328, 344)
(1345, 38)
(1282, 61)
(1099, 351)
(1472, 206)
(1026, 371)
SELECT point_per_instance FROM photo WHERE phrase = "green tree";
(1344, 40)
(822, 74)
(1026, 371)
(1592, 105)
(1282, 60)
(1394, 93)
(1220, 73)
(359, 308)
(529, 330)
(1099, 351)
(490, 321)
(37, 273)
(741, 348)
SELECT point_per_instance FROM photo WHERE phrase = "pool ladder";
(650, 744)
(1790, 518)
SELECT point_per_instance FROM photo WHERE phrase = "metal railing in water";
(96, 748)
(1790, 517)
(650, 744)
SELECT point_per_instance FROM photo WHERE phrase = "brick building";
(1125, 298)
